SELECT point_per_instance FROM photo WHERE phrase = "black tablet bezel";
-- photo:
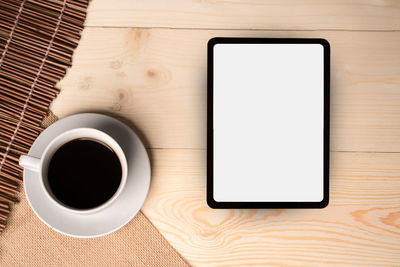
(210, 137)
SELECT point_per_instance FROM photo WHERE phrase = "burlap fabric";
(28, 242)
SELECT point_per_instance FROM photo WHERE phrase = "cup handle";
(29, 163)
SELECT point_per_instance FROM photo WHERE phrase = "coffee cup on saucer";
(86, 175)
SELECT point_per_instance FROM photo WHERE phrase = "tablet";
(268, 123)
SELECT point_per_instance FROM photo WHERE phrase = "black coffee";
(84, 173)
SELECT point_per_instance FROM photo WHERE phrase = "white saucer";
(122, 210)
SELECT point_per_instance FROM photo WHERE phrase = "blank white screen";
(268, 122)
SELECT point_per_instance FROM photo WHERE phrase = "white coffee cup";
(40, 165)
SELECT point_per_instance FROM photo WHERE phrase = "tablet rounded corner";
(325, 43)
(213, 41)
(211, 202)
(324, 203)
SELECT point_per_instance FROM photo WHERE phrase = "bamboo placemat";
(37, 39)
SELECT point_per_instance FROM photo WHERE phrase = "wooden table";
(146, 62)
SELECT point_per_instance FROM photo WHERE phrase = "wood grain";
(157, 79)
(242, 14)
(361, 225)
(154, 77)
